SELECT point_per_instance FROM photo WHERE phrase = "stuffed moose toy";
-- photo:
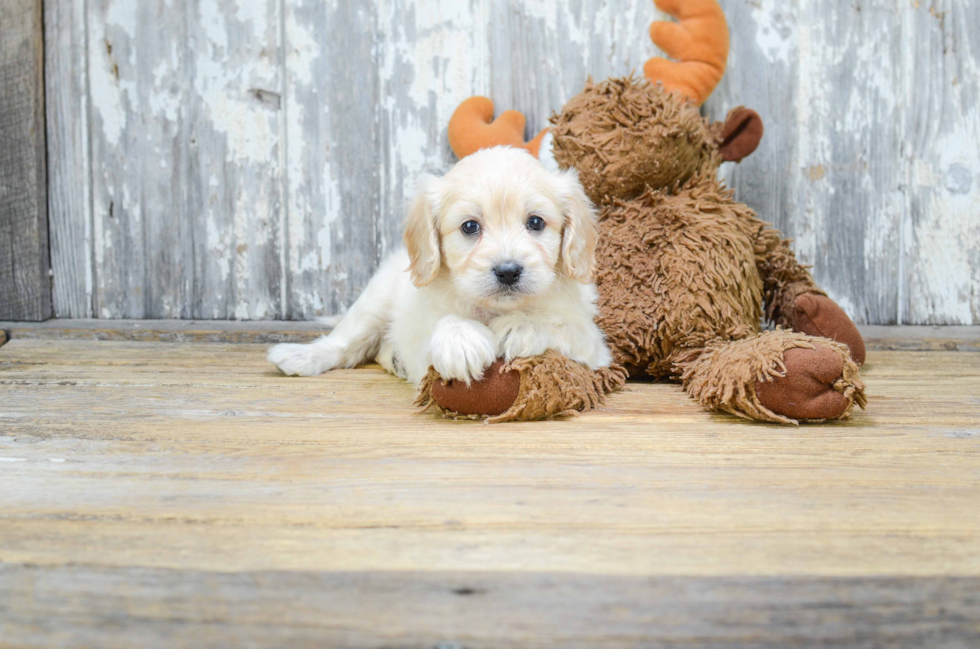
(684, 273)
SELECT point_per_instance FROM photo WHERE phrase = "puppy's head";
(502, 228)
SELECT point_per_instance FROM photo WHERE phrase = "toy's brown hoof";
(491, 395)
(806, 391)
(818, 315)
(532, 389)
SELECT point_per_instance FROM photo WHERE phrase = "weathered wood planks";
(876, 337)
(186, 162)
(69, 170)
(121, 606)
(178, 331)
(153, 491)
(941, 248)
(870, 158)
(256, 158)
(333, 160)
(25, 284)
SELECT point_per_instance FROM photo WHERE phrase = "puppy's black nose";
(507, 273)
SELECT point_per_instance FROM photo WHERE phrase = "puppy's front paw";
(519, 336)
(461, 349)
(300, 360)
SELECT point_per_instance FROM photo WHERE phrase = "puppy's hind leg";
(390, 361)
(353, 342)
(317, 357)
(356, 338)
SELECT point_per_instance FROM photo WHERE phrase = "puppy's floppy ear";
(579, 236)
(421, 233)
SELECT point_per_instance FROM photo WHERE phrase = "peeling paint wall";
(871, 158)
(251, 159)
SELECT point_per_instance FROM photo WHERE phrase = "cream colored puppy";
(500, 255)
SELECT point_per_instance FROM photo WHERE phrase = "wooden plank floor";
(162, 494)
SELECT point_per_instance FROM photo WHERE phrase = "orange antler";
(699, 40)
(472, 127)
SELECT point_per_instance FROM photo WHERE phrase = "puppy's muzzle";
(508, 273)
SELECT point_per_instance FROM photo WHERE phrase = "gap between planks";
(877, 337)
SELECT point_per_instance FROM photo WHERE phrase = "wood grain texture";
(25, 283)
(941, 250)
(259, 155)
(947, 338)
(179, 331)
(333, 159)
(869, 159)
(189, 491)
(185, 122)
(112, 607)
(69, 171)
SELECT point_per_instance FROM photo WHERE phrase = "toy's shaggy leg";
(779, 376)
(526, 389)
(794, 300)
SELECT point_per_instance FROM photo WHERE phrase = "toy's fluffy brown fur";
(685, 272)
(550, 386)
(680, 268)
(609, 130)
(725, 374)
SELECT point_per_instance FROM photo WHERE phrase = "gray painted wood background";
(25, 282)
(250, 159)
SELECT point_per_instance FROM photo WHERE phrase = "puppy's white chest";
(483, 315)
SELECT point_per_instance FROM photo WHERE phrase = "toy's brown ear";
(740, 135)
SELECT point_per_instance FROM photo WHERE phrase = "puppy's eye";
(470, 228)
(535, 223)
